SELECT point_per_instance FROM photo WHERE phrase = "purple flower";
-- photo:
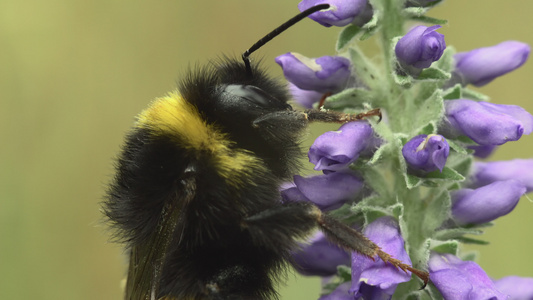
(517, 288)
(482, 151)
(481, 66)
(319, 257)
(328, 191)
(486, 203)
(426, 152)
(457, 279)
(486, 123)
(342, 292)
(303, 97)
(377, 279)
(420, 47)
(489, 172)
(335, 150)
(340, 12)
(325, 74)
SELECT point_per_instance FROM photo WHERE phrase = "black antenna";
(277, 31)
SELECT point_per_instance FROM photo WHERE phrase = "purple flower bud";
(325, 74)
(486, 203)
(342, 292)
(426, 152)
(340, 12)
(481, 66)
(457, 279)
(335, 150)
(420, 47)
(486, 123)
(488, 172)
(377, 279)
(319, 257)
(517, 288)
(328, 191)
(303, 97)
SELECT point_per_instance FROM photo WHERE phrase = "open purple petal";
(319, 257)
(335, 150)
(342, 292)
(517, 288)
(304, 98)
(371, 278)
(326, 74)
(329, 191)
(457, 279)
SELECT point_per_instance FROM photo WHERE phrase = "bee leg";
(279, 226)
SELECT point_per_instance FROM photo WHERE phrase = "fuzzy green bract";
(429, 208)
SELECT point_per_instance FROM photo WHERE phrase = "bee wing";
(147, 260)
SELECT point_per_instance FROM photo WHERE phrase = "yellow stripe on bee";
(176, 118)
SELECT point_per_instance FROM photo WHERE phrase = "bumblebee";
(196, 196)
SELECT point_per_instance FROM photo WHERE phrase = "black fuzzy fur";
(220, 246)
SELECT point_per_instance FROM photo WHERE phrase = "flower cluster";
(411, 181)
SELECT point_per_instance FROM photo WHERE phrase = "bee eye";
(252, 95)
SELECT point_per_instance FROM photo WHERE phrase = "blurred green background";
(73, 74)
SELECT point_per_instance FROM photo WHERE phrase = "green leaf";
(430, 20)
(451, 246)
(402, 79)
(397, 210)
(433, 73)
(467, 240)
(456, 147)
(376, 181)
(372, 213)
(465, 140)
(474, 95)
(455, 233)
(347, 35)
(461, 165)
(428, 129)
(470, 256)
(415, 11)
(370, 27)
(345, 273)
(446, 174)
(452, 93)
(446, 61)
(368, 33)
(378, 154)
(430, 110)
(365, 70)
(412, 181)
